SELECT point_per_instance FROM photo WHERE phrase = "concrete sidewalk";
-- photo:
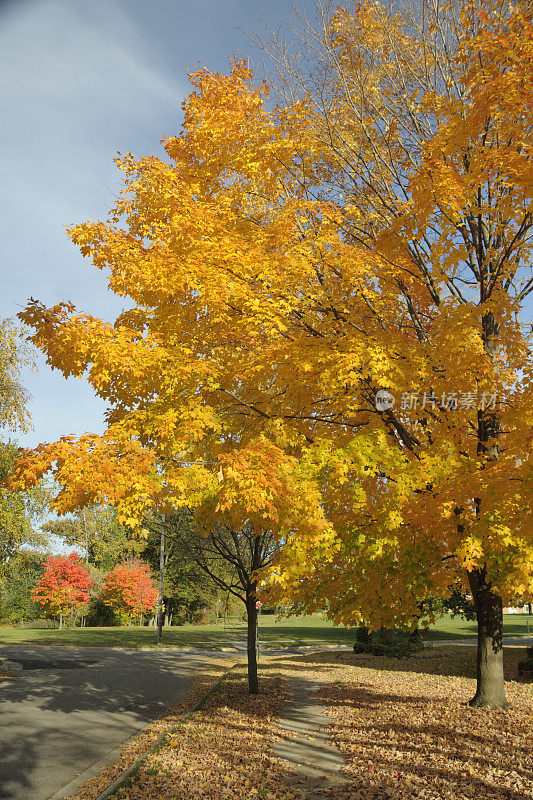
(508, 641)
(316, 764)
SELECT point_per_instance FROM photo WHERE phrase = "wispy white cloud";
(78, 81)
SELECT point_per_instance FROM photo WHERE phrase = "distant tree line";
(189, 596)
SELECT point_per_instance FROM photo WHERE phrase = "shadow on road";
(57, 721)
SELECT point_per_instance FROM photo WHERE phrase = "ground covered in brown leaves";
(223, 752)
(404, 728)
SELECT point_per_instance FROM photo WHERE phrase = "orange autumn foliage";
(64, 584)
(129, 588)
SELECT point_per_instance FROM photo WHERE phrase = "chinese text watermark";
(449, 401)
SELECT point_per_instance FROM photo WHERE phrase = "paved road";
(57, 722)
(508, 641)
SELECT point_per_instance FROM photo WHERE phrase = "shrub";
(416, 643)
(399, 649)
(100, 615)
(38, 624)
(363, 635)
(525, 666)
(402, 645)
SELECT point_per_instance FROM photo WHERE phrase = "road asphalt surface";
(58, 722)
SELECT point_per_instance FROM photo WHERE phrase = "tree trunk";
(490, 690)
(60, 620)
(251, 615)
(161, 576)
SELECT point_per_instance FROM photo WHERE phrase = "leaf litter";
(404, 728)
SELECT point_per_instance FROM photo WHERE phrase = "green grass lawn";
(296, 630)
(312, 630)
(457, 628)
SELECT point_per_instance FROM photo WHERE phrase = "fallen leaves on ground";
(406, 730)
(404, 727)
(223, 752)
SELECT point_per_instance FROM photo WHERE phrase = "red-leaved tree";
(129, 588)
(63, 586)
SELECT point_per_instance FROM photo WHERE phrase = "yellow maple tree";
(326, 333)
(14, 356)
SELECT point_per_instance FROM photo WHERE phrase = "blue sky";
(79, 80)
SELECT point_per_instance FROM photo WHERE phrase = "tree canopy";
(188, 590)
(15, 354)
(97, 532)
(326, 335)
(19, 577)
(64, 585)
(20, 512)
(233, 558)
(129, 588)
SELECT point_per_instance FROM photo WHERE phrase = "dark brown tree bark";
(251, 616)
(161, 577)
(490, 691)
